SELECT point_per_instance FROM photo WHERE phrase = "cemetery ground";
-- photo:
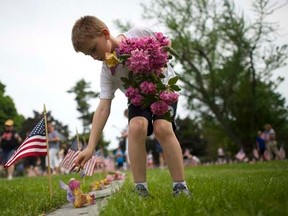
(233, 189)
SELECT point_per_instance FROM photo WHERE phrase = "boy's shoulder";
(138, 31)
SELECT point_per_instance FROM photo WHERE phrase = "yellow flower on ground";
(111, 59)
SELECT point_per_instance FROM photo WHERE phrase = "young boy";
(92, 37)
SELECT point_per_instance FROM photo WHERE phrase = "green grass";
(31, 196)
(237, 189)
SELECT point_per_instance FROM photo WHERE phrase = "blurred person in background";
(9, 142)
(260, 145)
(54, 148)
(270, 141)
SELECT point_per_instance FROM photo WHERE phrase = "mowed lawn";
(235, 189)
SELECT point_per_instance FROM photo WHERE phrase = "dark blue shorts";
(134, 111)
(6, 155)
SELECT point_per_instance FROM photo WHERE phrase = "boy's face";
(97, 47)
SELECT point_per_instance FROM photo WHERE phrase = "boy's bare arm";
(99, 120)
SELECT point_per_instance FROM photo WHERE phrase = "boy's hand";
(83, 157)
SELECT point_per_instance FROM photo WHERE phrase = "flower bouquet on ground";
(146, 59)
(75, 195)
(110, 178)
(99, 185)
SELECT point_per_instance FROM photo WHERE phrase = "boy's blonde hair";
(84, 28)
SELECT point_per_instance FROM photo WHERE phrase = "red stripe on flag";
(71, 163)
(33, 145)
(37, 149)
(89, 167)
(69, 160)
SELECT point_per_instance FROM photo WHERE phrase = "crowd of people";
(265, 149)
(118, 159)
(266, 145)
(10, 140)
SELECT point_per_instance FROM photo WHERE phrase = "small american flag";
(89, 167)
(69, 160)
(240, 155)
(33, 145)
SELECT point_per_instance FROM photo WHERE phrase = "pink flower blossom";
(169, 97)
(145, 59)
(159, 108)
(160, 59)
(139, 61)
(147, 53)
(137, 100)
(131, 92)
(74, 184)
(148, 87)
(164, 41)
(110, 178)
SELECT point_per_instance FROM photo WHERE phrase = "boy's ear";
(106, 33)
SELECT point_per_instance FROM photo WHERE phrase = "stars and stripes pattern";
(90, 165)
(33, 145)
(68, 162)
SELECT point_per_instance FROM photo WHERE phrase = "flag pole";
(48, 156)
(78, 141)
(79, 149)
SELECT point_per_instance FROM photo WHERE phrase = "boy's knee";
(162, 128)
(138, 125)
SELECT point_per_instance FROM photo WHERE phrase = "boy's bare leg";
(171, 148)
(10, 171)
(137, 149)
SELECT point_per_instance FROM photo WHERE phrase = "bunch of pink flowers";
(147, 54)
(146, 58)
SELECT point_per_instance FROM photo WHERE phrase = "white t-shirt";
(110, 83)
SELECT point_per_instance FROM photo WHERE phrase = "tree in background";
(225, 65)
(22, 125)
(82, 95)
(8, 110)
(31, 122)
(190, 135)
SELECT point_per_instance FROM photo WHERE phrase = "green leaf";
(171, 50)
(161, 76)
(124, 57)
(154, 77)
(175, 87)
(173, 80)
(160, 86)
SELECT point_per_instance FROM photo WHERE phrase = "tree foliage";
(31, 122)
(226, 63)
(8, 109)
(22, 125)
(82, 95)
(190, 133)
